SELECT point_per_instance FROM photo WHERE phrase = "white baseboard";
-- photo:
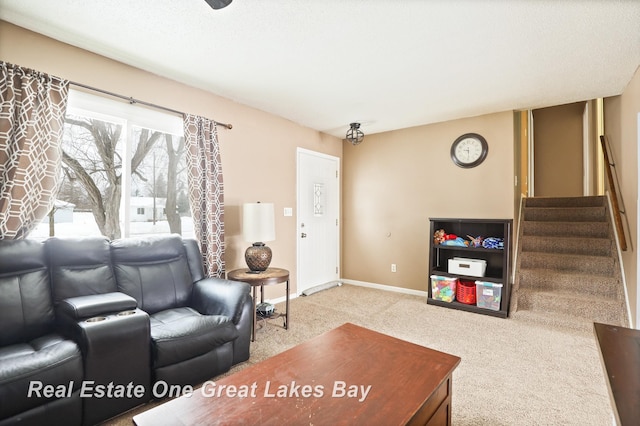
(361, 284)
(281, 299)
(386, 287)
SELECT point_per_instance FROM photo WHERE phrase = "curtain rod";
(137, 101)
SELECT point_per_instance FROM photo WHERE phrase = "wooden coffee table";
(349, 375)
(620, 356)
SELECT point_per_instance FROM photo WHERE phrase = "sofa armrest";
(116, 351)
(96, 304)
(217, 296)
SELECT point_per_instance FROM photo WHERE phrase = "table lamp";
(258, 226)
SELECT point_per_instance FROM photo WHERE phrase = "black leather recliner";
(194, 321)
(134, 311)
(31, 349)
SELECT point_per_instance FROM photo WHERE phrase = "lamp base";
(258, 257)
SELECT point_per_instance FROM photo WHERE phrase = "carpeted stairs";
(567, 268)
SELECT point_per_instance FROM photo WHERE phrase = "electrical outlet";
(393, 267)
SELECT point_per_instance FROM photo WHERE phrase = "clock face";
(469, 150)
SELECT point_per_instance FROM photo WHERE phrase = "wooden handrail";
(614, 196)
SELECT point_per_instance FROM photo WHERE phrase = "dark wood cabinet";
(498, 261)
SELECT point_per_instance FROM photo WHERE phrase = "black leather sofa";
(89, 327)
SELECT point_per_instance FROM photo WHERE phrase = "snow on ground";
(84, 225)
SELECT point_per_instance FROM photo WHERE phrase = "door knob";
(303, 235)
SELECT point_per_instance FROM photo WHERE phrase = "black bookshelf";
(498, 260)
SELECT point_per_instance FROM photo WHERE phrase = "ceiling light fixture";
(218, 4)
(354, 134)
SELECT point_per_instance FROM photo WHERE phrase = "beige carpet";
(512, 372)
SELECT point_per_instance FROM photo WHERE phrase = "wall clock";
(469, 150)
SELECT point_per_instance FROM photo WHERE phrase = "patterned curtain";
(32, 109)
(206, 190)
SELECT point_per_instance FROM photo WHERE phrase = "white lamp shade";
(258, 222)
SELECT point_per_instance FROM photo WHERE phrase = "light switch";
(288, 211)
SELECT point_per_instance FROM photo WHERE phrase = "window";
(123, 172)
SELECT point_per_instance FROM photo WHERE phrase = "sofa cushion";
(80, 266)
(154, 271)
(50, 360)
(26, 311)
(183, 333)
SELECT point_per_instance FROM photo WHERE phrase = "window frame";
(129, 115)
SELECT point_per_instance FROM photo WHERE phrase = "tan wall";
(394, 182)
(621, 127)
(258, 154)
(558, 152)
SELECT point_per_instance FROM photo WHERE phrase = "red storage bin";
(466, 292)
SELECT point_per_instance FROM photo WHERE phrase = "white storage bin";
(470, 267)
(488, 295)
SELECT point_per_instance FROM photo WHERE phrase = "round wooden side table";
(269, 277)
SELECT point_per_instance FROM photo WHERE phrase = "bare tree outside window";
(93, 162)
(160, 180)
(92, 184)
(176, 182)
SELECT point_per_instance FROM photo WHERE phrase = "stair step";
(565, 201)
(593, 308)
(588, 284)
(566, 229)
(566, 214)
(567, 245)
(568, 273)
(598, 265)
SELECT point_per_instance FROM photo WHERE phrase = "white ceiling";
(388, 64)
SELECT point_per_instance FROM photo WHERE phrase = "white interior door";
(318, 213)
